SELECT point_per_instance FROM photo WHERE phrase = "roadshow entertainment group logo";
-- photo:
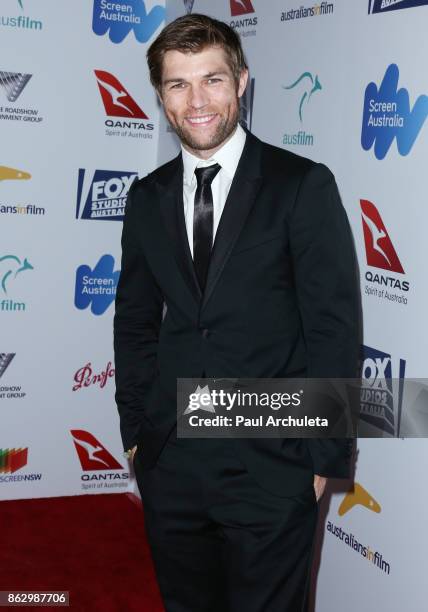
(9, 391)
(131, 120)
(12, 84)
(387, 116)
(119, 18)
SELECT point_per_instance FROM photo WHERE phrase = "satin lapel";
(242, 195)
(171, 203)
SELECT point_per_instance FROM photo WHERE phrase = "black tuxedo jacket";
(281, 299)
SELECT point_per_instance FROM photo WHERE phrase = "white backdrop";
(311, 64)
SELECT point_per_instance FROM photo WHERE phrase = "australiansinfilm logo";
(96, 287)
(244, 18)
(14, 271)
(8, 391)
(16, 14)
(13, 88)
(118, 18)
(386, 278)
(6, 208)
(387, 116)
(126, 118)
(317, 9)
(102, 195)
(302, 92)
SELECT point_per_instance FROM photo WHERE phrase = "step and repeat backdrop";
(341, 82)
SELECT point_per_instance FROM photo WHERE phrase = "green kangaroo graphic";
(17, 267)
(315, 86)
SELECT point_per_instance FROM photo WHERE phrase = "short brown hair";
(191, 34)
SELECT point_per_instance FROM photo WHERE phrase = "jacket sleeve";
(327, 289)
(137, 321)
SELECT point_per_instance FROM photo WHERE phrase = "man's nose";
(198, 97)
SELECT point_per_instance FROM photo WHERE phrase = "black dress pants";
(219, 541)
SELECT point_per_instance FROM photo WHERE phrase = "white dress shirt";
(227, 157)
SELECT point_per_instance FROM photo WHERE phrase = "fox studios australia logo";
(381, 254)
(101, 469)
(12, 270)
(304, 88)
(96, 288)
(130, 119)
(121, 17)
(12, 86)
(387, 116)
(381, 393)
(105, 195)
(20, 18)
(383, 6)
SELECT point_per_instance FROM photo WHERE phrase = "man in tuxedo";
(237, 262)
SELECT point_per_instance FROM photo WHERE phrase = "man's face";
(201, 98)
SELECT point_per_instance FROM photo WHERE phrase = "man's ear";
(242, 82)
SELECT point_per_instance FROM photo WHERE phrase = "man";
(249, 248)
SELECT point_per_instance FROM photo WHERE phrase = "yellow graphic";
(11, 174)
(358, 496)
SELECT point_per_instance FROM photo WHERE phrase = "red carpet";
(93, 546)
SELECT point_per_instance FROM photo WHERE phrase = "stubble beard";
(224, 129)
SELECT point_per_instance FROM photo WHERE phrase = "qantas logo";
(358, 496)
(117, 100)
(92, 454)
(380, 251)
(240, 7)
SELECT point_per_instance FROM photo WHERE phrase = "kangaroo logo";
(387, 115)
(11, 174)
(14, 266)
(312, 85)
(358, 496)
(380, 251)
(119, 18)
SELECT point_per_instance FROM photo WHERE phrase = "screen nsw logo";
(120, 17)
(103, 197)
(96, 288)
(387, 115)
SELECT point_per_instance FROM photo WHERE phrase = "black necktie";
(203, 221)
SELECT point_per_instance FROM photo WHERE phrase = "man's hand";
(319, 486)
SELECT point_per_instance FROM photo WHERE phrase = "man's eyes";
(210, 81)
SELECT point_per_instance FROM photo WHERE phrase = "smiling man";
(249, 248)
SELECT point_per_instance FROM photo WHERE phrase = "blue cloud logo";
(387, 115)
(97, 287)
(120, 17)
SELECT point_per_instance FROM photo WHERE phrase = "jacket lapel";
(242, 194)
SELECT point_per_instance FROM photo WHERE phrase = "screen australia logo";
(387, 116)
(96, 288)
(118, 19)
(301, 90)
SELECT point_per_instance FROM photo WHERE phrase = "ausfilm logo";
(244, 17)
(87, 377)
(8, 391)
(126, 118)
(102, 470)
(13, 87)
(19, 19)
(13, 270)
(302, 92)
(381, 393)
(381, 255)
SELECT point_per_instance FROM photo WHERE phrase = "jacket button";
(205, 332)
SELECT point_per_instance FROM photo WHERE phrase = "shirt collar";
(227, 156)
